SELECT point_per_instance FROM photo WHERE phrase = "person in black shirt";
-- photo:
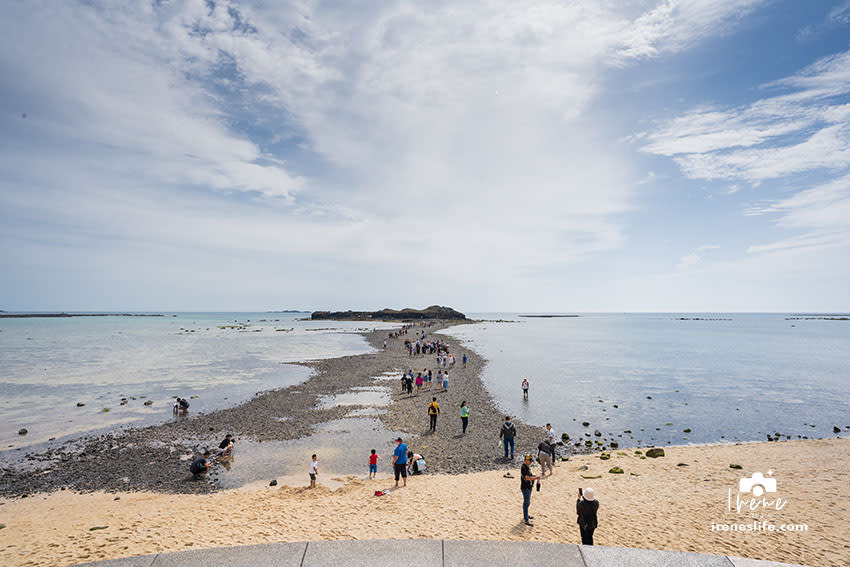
(586, 507)
(226, 445)
(526, 484)
(200, 465)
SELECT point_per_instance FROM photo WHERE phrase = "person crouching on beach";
(586, 508)
(200, 465)
(314, 470)
(226, 445)
(373, 464)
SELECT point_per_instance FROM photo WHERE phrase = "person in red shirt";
(373, 464)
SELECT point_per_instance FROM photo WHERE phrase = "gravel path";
(150, 458)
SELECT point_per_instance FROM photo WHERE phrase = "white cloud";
(797, 131)
(318, 148)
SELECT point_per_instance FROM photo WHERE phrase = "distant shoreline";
(548, 316)
(55, 315)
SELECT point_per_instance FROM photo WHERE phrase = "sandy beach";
(656, 503)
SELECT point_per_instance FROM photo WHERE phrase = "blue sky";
(688, 155)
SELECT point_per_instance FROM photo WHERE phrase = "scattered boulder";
(80, 404)
(273, 483)
(614, 444)
(615, 470)
(591, 477)
(597, 433)
(683, 465)
(22, 431)
(687, 430)
(149, 402)
(95, 528)
(836, 429)
(585, 423)
(605, 456)
(736, 467)
(654, 453)
(565, 437)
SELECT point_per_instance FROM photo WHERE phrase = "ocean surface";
(114, 364)
(726, 377)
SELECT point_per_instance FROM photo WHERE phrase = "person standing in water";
(524, 389)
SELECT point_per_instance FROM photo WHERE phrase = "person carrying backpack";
(507, 434)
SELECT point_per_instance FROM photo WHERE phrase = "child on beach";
(314, 470)
(373, 464)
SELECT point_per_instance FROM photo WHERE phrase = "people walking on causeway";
(464, 416)
(433, 412)
(507, 434)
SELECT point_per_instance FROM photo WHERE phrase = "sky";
(585, 155)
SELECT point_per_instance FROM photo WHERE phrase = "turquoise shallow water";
(738, 377)
(47, 365)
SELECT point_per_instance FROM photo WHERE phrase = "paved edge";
(430, 553)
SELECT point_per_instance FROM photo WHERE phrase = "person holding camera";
(526, 485)
(586, 507)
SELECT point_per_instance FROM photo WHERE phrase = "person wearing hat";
(526, 484)
(400, 461)
(586, 507)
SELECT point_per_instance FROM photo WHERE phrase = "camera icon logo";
(758, 484)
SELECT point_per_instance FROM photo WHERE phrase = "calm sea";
(48, 365)
(739, 377)
(734, 377)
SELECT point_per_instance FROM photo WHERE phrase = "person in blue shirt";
(400, 462)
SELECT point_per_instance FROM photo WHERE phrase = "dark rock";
(273, 483)
(432, 312)
(585, 423)
(80, 404)
(836, 429)
(95, 528)
(565, 437)
(615, 470)
(149, 402)
(688, 430)
(655, 453)
(22, 431)
(736, 467)
(682, 465)
(597, 433)
(614, 444)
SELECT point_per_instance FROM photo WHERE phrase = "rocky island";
(434, 312)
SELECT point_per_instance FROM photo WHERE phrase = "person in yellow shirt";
(433, 412)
